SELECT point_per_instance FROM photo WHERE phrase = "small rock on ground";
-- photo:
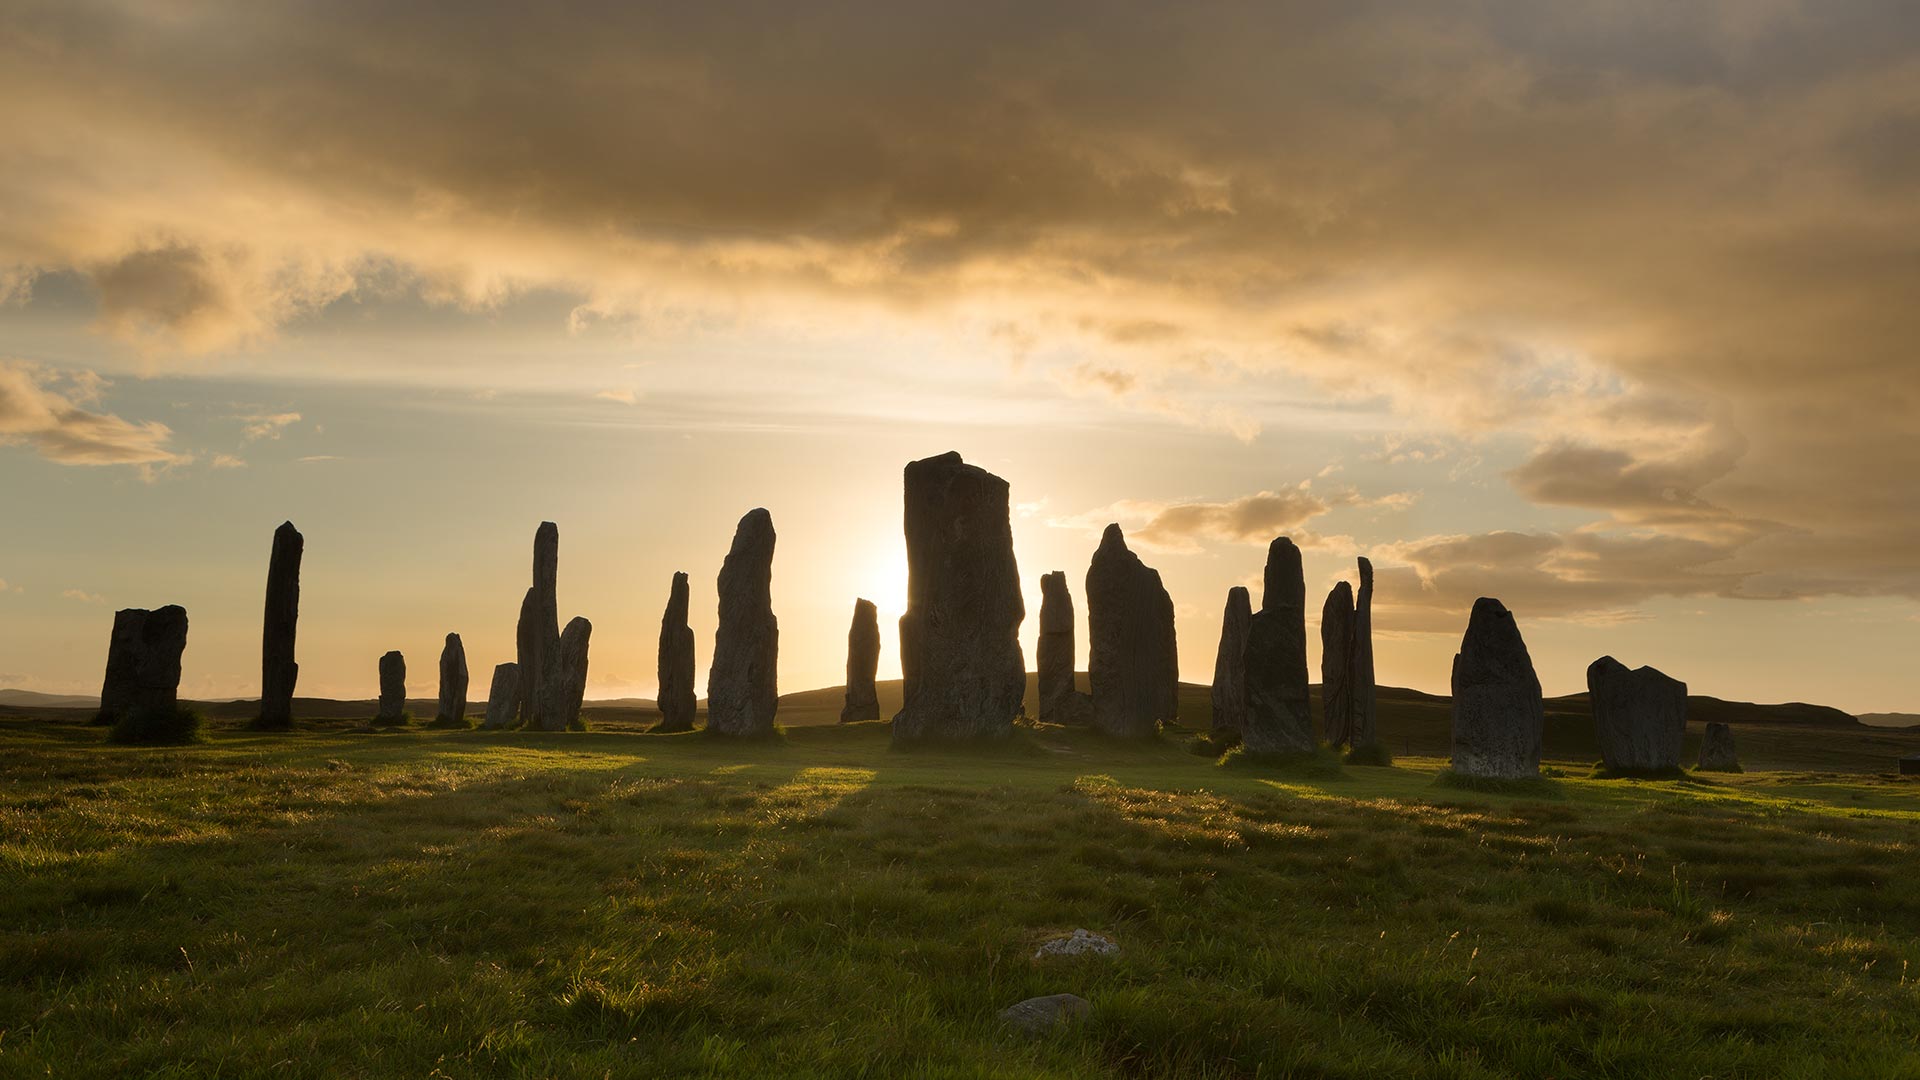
(1079, 943)
(1037, 1016)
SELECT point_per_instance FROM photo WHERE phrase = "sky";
(1606, 310)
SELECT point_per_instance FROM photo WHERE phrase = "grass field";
(466, 904)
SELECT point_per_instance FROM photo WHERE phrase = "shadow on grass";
(1321, 763)
(1535, 787)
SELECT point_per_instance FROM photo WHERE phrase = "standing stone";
(1230, 664)
(549, 689)
(1639, 716)
(962, 673)
(278, 669)
(143, 662)
(523, 645)
(742, 687)
(1498, 713)
(569, 682)
(863, 662)
(503, 697)
(1365, 709)
(1716, 750)
(393, 689)
(1336, 664)
(1059, 702)
(1130, 629)
(453, 682)
(1279, 709)
(676, 697)
(116, 690)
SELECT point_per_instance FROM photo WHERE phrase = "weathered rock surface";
(1498, 714)
(1079, 943)
(742, 692)
(1059, 701)
(677, 700)
(1230, 664)
(523, 645)
(143, 662)
(1279, 709)
(1041, 1015)
(548, 688)
(393, 689)
(863, 661)
(279, 671)
(570, 674)
(453, 681)
(1639, 716)
(1716, 750)
(1366, 706)
(962, 671)
(1336, 664)
(503, 697)
(1132, 667)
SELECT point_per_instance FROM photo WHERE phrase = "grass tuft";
(1319, 764)
(450, 723)
(402, 720)
(177, 726)
(1370, 754)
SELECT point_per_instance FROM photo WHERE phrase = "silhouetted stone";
(143, 662)
(1230, 664)
(863, 661)
(503, 697)
(393, 689)
(1131, 667)
(1639, 716)
(549, 691)
(278, 668)
(963, 676)
(1716, 750)
(1279, 709)
(742, 688)
(116, 689)
(569, 682)
(524, 635)
(1497, 709)
(1059, 702)
(1366, 709)
(453, 681)
(676, 697)
(1336, 664)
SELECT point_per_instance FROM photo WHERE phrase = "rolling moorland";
(463, 904)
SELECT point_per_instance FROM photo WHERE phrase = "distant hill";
(1891, 719)
(29, 699)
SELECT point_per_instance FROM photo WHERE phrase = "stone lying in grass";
(1040, 1015)
(1079, 943)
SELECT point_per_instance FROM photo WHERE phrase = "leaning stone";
(453, 682)
(1639, 716)
(549, 689)
(1365, 710)
(1230, 664)
(676, 697)
(503, 697)
(1132, 666)
(393, 689)
(1279, 713)
(742, 688)
(962, 673)
(1041, 1015)
(1716, 750)
(1078, 943)
(570, 674)
(523, 641)
(1498, 713)
(1059, 701)
(278, 668)
(863, 662)
(1336, 664)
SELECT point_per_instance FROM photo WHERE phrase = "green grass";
(175, 725)
(477, 904)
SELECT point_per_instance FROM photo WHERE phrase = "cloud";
(315, 459)
(1181, 527)
(266, 425)
(227, 461)
(37, 408)
(83, 596)
(623, 395)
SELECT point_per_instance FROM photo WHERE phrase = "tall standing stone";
(1059, 702)
(116, 689)
(962, 672)
(393, 689)
(278, 668)
(1336, 664)
(453, 682)
(1639, 716)
(569, 682)
(1716, 750)
(863, 663)
(676, 697)
(1230, 664)
(143, 662)
(524, 636)
(548, 687)
(1498, 713)
(1131, 662)
(1366, 709)
(503, 697)
(742, 685)
(1279, 709)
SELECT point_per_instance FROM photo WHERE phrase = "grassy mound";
(1213, 743)
(402, 720)
(1370, 754)
(450, 723)
(177, 726)
(1321, 763)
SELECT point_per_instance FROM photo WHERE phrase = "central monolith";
(1132, 666)
(675, 669)
(548, 688)
(742, 691)
(1279, 710)
(453, 683)
(863, 662)
(1059, 701)
(963, 675)
(1365, 709)
(1336, 664)
(1639, 716)
(1230, 665)
(278, 668)
(1498, 713)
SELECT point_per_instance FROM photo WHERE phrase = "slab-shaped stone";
(863, 663)
(1336, 664)
(393, 689)
(503, 697)
(1041, 1015)
(143, 662)
(1639, 716)
(742, 688)
(962, 672)
(677, 700)
(1279, 708)
(569, 683)
(1366, 708)
(1498, 714)
(1132, 666)
(524, 636)
(1230, 664)
(279, 671)
(1059, 701)
(1716, 750)
(123, 643)
(453, 681)
(549, 689)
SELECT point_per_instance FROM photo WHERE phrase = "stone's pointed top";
(1281, 545)
(679, 579)
(391, 654)
(754, 523)
(862, 604)
(287, 527)
(1284, 583)
(1606, 665)
(1238, 596)
(1366, 572)
(1492, 650)
(1113, 537)
(452, 640)
(951, 457)
(951, 464)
